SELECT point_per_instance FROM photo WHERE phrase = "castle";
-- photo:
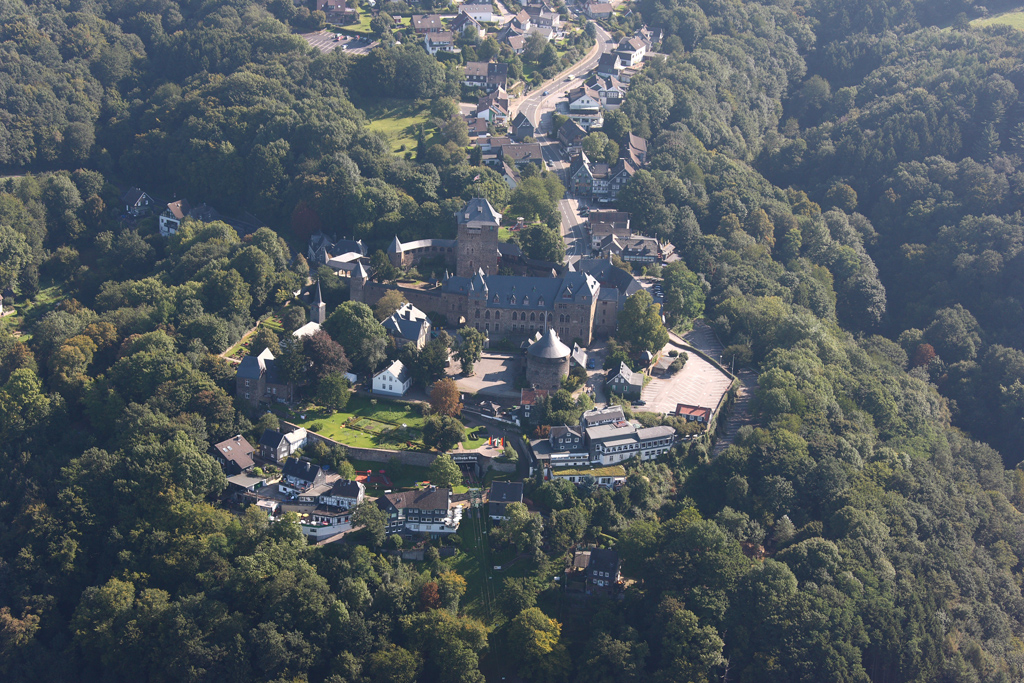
(579, 305)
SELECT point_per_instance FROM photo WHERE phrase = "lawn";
(470, 564)
(363, 27)
(504, 234)
(29, 310)
(367, 425)
(1014, 19)
(398, 121)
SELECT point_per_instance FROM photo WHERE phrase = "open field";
(365, 425)
(1014, 19)
(363, 27)
(398, 121)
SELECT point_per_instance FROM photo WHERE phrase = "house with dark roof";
(344, 494)
(464, 22)
(234, 455)
(599, 10)
(625, 382)
(487, 75)
(631, 51)
(566, 439)
(602, 572)
(273, 446)
(427, 23)
(501, 494)
(299, 475)
(479, 10)
(636, 249)
(571, 135)
(425, 511)
(609, 444)
(609, 64)
(638, 147)
(408, 325)
(585, 107)
(137, 202)
(522, 127)
(256, 380)
(176, 213)
(522, 154)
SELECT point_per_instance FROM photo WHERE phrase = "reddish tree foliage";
(326, 356)
(429, 597)
(305, 220)
(923, 356)
(444, 398)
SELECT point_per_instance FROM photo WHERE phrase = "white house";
(585, 107)
(478, 10)
(344, 494)
(441, 41)
(393, 380)
(631, 51)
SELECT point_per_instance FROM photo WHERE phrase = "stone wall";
(452, 306)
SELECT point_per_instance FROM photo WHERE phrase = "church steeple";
(318, 309)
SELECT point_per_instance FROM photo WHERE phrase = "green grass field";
(28, 311)
(1014, 19)
(379, 426)
(398, 121)
(363, 27)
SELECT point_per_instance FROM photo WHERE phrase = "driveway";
(699, 383)
(494, 375)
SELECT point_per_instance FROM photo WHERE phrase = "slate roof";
(252, 367)
(407, 322)
(549, 346)
(538, 293)
(658, 432)
(271, 439)
(424, 22)
(236, 450)
(631, 44)
(132, 196)
(570, 131)
(424, 499)
(300, 469)
(520, 120)
(478, 209)
(609, 276)
(562, 430)
(603, 560)
(613, 413)
(638, 143)
(634, 378)
(522, 153)
(506, 492)
(459, 23)
(609, 63)
(346, 488)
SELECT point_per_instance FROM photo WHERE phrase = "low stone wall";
(373, 454)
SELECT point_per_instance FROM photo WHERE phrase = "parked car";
(639, 402)
(591, 364)
(547, 92)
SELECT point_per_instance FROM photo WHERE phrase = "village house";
(426, 511)
(528, 397)
(323, 249)
(625, 382)
(615, 443)
(427, 23)
(597, 570)
(256, 380)
(137, 203)
(501, 494)
(585, 107)
(337, 11)
(610, 90)
(486, 75)
(298, 475)
(636, 249)
(344, 494)
(609, 64)
(694, 413)
(607, 223)
(278, 446)
(599, 10)
(631, 51)
(234, 455)
(566, 439)
(440, 41)
(177, 212)
(408, 325)
(463, 22)
(394, 380)
(571, 135)
(478, 10)
(522, 154)
(611, 476)
(522, 127)
(637, 146)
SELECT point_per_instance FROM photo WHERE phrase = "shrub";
(673, 353)
(316, 426)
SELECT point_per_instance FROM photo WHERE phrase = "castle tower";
(478, 238)
(317, 308)
(356, 282)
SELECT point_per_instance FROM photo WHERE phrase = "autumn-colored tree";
(429, 597)
(923, 356)
(305, 221)
(445, 398)
(388, 304)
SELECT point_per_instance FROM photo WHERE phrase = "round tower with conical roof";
(547, 362)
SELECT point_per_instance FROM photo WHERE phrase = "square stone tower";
(478, 238)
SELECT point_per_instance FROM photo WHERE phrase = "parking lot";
(493, 375)
(325, 42)
(699, 383)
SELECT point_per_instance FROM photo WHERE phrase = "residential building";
(610, 90)
(615, 443)
(426, 511)
(585, 107)
(564, 438)
(602, 416)
(480, 11)
(394, 380)
(528, 397)
(323, 249)
(631, 51)
(137, 203)
(694, 413)
(598, 180)
(501, 494)
(440, 41)
(636, 249)
(522, 21)
(638, 147)
(273, 447)
(177, 212)
(298, 475)
(344, 494)
(337, 11)
(464, 22)
(602, 572)
(256, 379)
(234, 455)
(520, 154)
(427, 23)
(487, 75)
(609, 64)
(599, 10)
(408, 325)
(522, 127)
(571, 135)
(606, 223)
(625, 382)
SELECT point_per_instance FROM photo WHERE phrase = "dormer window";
(495, 298)
(540, 301)
(512, 299)
(526, 300)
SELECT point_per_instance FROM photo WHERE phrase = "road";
(537, 106)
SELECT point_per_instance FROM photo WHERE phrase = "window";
(487, 315)
(246, 382)
(533, 316)
(273, 390)
(477, 313)
(497, 315)
(247, 394)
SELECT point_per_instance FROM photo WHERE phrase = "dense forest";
(844, 178)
